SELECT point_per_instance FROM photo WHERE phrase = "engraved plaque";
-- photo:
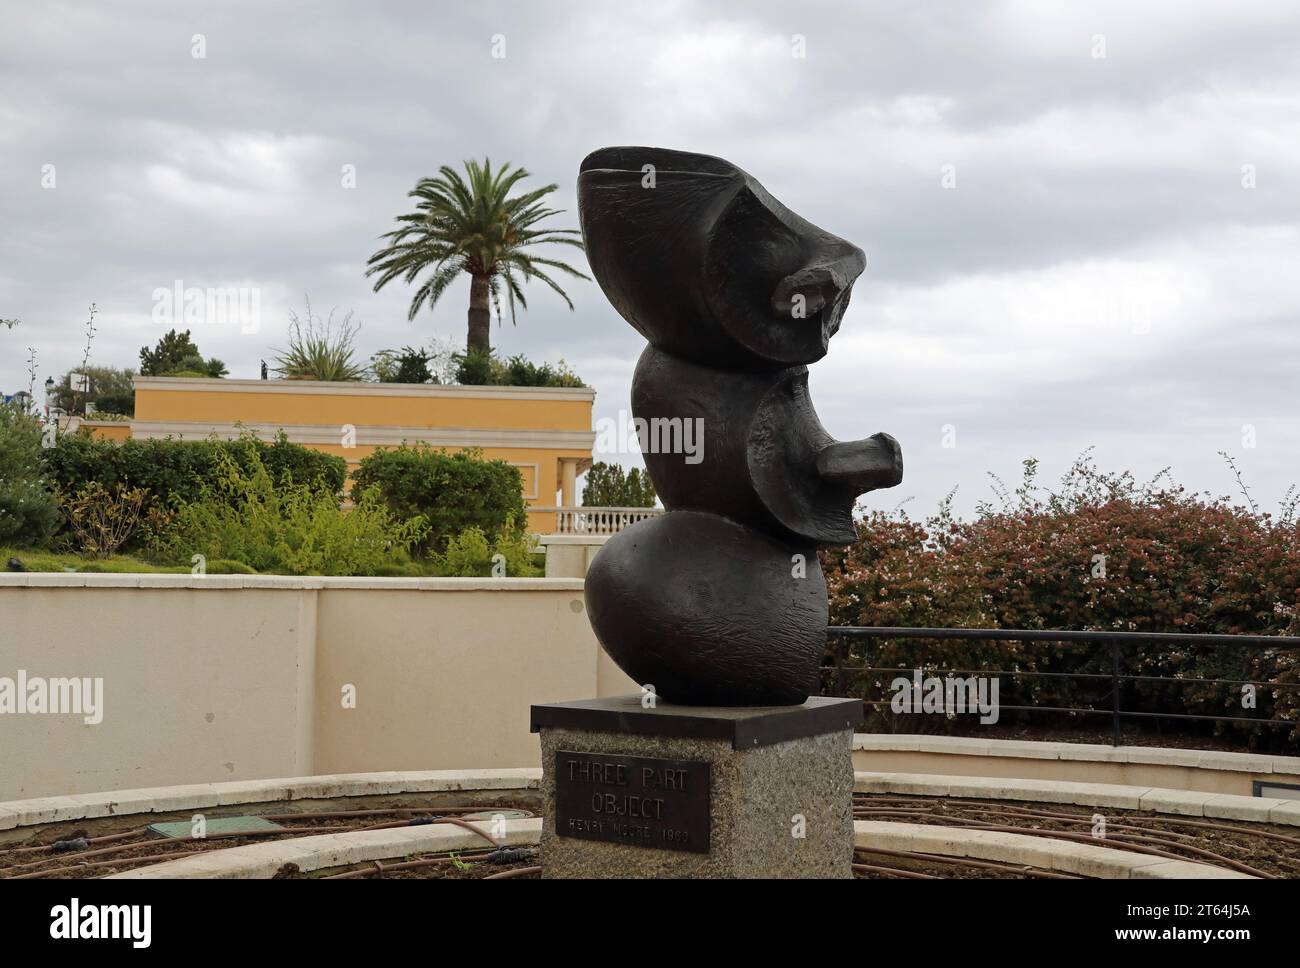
(641, 801)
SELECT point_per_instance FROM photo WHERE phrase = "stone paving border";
(198, 796)
(336, 850)
(1081, 752)
(1066, 856)
(331, 850)
(1157, 799)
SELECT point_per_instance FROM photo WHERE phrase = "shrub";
(129, 566)
(399, 569)
(608, 486)
(319, 351)
(176, 355)
(476, 368)
(102, 520)
(275, 526)
(471, 554)
(483, 368)
(29, 513)
(407, 365)
(524, 373)
(452, 492)
(228, 566)
(1104, 553)
(173, 471)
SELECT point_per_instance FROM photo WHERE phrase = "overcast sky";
(1116, 262)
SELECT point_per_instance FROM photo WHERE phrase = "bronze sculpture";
(721, 601)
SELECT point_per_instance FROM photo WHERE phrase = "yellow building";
(545, 432)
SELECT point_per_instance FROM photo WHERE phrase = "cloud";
(1099, 274)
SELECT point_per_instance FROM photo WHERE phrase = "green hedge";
(485, 368)
(1101, 553)
(452, 492)
(281, 527)
(174, 471)
(28, 513)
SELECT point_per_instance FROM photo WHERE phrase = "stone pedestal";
(697, 791)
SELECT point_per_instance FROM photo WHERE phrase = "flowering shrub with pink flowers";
(1101, 552)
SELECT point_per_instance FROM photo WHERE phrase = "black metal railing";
(842, 669)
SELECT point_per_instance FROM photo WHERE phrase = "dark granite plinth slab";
(745, 727)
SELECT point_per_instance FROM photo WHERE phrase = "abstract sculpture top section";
(709, 267)
(722, 600)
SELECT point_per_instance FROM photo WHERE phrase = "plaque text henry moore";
(636, 800)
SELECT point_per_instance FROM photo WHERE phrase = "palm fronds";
(470, 223)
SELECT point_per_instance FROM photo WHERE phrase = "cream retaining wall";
(227, 677)
(1209, 771)
(570, 555)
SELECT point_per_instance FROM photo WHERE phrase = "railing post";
(1114, 691)
(843, 649)
(841, 657)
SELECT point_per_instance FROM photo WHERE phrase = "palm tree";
(462, 225)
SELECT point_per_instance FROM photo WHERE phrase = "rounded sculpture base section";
(708, 612)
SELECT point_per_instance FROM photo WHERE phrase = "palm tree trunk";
(479, 336)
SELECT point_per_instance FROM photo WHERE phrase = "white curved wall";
(242, 677)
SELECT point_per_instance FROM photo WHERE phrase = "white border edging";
(330, 850)
(1045, 853)
(89, 806)
(1081, 752)
(198, 796)
(1219, 806)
